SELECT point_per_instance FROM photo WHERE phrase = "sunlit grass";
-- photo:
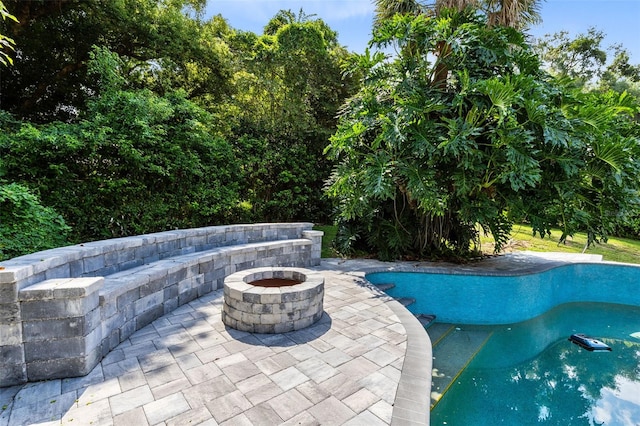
(615, 249)
(327, 240)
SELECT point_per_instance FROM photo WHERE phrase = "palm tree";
(518, 14)
(454, 4)
(512, 13)
(385, 9)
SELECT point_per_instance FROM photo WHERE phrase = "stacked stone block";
(12, 366)
(145, 277)
(316, 245)
(272, 309)
(61, 327)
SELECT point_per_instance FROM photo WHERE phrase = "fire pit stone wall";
(259, 309)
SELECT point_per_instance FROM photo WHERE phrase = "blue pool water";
(509, 382)
(484, 299)
(527, 372)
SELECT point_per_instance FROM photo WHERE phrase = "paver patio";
(188, 368)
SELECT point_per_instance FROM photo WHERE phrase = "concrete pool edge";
(467, 294)
(509, 264)
(412, 402)
(413, 394)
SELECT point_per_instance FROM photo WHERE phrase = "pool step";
(426, 320)
(453, 349)
(438, 331)
(385, 286)
(406, 301)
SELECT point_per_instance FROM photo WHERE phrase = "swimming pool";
(527, 372)
(561, 385)
(505, 299)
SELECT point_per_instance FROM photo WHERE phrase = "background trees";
(423, 164)
(25, 224)
(288, 91)
(49, 78)
(137, 162)
(588, 64)
(131, 116)
(125, 117)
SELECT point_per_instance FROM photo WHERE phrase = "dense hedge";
(138, 163)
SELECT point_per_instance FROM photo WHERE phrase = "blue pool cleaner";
(588, 343)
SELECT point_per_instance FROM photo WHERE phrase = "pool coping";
(412, 403)
(510, 264)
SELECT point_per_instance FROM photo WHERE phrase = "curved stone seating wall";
(63, 310)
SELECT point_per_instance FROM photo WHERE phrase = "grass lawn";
(615, 249)
(327, 239)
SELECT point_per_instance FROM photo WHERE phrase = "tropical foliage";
(25, 224)
(155, 119)
(587, 63)
(6, 43)
(130, 116)
(422, 163)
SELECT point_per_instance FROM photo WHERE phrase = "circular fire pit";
(272, 300)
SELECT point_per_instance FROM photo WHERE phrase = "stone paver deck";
(188, 368)
(366, 362)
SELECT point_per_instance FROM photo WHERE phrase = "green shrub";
(26, 226)
(137, 163)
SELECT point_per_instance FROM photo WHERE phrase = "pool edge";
(412, 402)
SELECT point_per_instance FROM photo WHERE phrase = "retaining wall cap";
(166, 236)
(78, 287)
(61, 288)
(41, 261)
(94, 248)
(41, 290)
(104, 246)
(303, 225)
(22, 267)
(12, 274)
(118, 286)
